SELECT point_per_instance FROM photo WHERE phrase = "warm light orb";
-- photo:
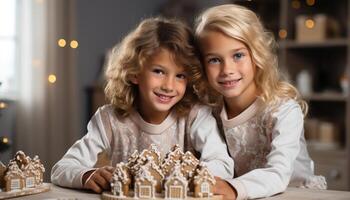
(296, 4)
(62, 42)
(52, 78)
(282, 33)
(310, 2)
(2, 105)
(74, 44)
(5, 140)
(309, 23)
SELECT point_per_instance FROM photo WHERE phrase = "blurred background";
(52, 55)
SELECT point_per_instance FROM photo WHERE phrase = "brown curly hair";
(127, 59)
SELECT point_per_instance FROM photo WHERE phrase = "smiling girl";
(262, 114)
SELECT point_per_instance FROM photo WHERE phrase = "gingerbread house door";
(145, 191)
(176, 192)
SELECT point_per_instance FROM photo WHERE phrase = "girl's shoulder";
(282, 106)
(199, 111)
(107, 110)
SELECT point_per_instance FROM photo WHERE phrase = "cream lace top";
(119, 137)
(268, 147)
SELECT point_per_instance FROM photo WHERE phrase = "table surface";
(59, 193)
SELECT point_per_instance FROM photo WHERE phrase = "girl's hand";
(98, 179)
(223, 188)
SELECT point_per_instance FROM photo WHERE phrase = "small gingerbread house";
(121, 180)
(189, 164)
(171, 159)
(203, 182)
(40, 169)
(144, 184)
(156, 172)
(14, 177)
(176, 184)
(30, 174)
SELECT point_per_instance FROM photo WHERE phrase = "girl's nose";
(227, 68)
(168, 85)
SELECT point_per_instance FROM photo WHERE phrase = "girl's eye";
(181, 76)
(213, 60)
(158, 71)
(238, 55)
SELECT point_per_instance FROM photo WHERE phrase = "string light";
(52, 78)
(296, 4)
(282, 33)
(74, 44)
(309, 23)
(310, 2)
(2, 105)
(5, 140)
(62, 42)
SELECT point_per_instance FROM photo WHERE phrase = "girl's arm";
(285, 146)
(82, 156)
(206, 139)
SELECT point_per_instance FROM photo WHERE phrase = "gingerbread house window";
(15, 184)
(145, 191)
(117, 188)
(176, 192)
(30, 182)
(205, 189)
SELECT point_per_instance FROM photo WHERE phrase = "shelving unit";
(327, 126)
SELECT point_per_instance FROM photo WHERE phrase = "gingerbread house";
(156, 173)
(14, 177)
(145, 184)
(40, 169)
(171, 159)
(22, 172)
(203, 182)
(177, 175)
(176, 184)
(189, 164)
(30, 175)
(121, 180)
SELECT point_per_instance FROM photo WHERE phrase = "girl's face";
(162, 84)
(228, 66)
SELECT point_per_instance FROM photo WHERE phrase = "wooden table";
(59, 193)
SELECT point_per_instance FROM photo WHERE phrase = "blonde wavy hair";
(243, 24)
(127, 59)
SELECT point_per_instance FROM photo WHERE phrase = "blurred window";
(8, 47)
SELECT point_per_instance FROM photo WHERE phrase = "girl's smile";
(229, 83)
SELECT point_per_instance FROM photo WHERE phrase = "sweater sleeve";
(206, 139)
(285, 146)
(82, 156)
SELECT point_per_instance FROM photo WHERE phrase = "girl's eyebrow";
(232, 50)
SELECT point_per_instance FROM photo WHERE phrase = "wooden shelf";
(341, 42)
(327, 96)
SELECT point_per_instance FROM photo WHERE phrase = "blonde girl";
(261, 114)
(150, 78)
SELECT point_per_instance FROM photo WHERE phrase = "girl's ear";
(133, 79)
